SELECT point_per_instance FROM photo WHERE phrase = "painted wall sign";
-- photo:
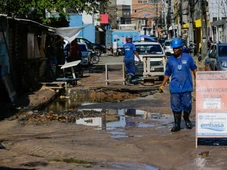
(146, 15)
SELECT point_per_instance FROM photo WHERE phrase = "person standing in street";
(129, 51)
(179, 67)
(115, 46)
(209, 43)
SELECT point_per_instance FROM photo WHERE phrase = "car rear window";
(149, 49)
(167, 43)
(222, 51)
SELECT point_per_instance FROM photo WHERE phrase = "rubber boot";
(188, 123)
(1, 146)
(177, 121)
(126, 78)
(129, 80)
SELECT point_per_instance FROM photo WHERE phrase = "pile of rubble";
(65, 117)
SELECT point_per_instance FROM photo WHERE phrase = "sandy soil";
(54, 145)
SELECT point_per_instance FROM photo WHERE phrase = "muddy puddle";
(108, 119)
(66, 108)
(72, 99)
(133, 167)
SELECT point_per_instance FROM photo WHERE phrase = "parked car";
(217, 57)
(98, 48)
(167, 46)
(83, 51)
(155, 54)
(88, 56)
(162, 40)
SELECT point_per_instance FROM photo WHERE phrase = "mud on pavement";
(47, 141)
(59, 145)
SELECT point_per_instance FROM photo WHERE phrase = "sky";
(125, 2)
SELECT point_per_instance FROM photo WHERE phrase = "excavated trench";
(66, 106)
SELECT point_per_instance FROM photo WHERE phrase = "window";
(222, 51)
(167, 43)
(143, 22)
(149, 49)
(82, 47)
(213, 51)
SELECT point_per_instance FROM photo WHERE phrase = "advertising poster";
(211, 104)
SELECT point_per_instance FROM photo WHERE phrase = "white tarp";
(69, 33)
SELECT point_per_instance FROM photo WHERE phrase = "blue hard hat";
(129, 36)
(176, 43)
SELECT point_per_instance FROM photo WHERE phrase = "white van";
(153, 56)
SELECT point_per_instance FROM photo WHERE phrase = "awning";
(69, 33)
(217, 23)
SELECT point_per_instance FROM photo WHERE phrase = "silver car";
(167, 46)
(217, 57)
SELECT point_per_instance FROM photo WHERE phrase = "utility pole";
(204, 28)
(180, 13)
(191, 20)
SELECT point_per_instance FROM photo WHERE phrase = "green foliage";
(38, 9)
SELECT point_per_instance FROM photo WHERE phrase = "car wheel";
(98, 52)
(94, 59)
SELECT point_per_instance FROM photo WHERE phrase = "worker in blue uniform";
(129, 51)
(179, 67)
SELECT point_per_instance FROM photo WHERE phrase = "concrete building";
(217, 15)
(124, 2)
(118, 12)
(112, 12)
(147, 13)
(123, 14)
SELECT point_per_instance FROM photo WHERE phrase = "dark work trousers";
(181, 101)
(130, 67)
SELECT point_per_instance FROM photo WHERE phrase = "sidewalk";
(109, 58)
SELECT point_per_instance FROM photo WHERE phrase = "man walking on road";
(179, 67)
(129, 51)
(115, 46)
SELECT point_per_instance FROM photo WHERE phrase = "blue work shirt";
(180, 71)
(129, 49)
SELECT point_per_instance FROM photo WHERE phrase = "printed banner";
(210, 124)
(211, 104)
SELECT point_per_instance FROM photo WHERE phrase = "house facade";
(147, 13)
(217, 15)
(24, 59)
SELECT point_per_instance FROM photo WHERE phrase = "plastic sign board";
(146, 15)
(211, 104)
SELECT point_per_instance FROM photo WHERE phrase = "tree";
(38, 9)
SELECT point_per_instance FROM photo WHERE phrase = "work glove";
(161, 89)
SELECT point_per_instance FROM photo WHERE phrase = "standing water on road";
(100, 118)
